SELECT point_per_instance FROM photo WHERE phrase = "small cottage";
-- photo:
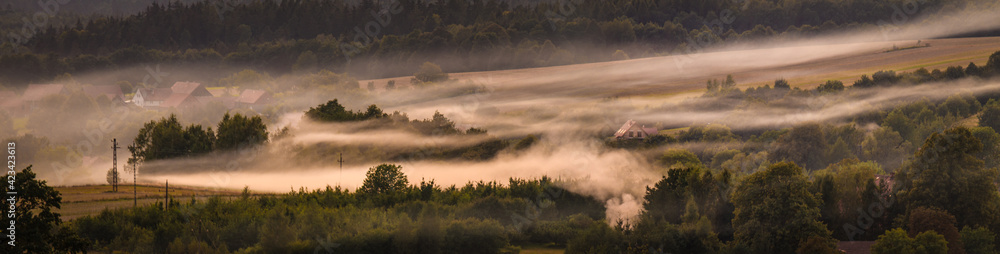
(632, 130)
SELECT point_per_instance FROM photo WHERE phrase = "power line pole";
(341, 160)
(114, 165)
(166, 196)
(135, 192)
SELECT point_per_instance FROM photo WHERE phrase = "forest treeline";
(390, 38)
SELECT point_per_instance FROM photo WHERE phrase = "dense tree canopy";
(946, 175)
(240, 131)
(776, 212)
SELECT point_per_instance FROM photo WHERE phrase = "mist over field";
(570, 107)
(553, 141)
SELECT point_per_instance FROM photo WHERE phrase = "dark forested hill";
(390, 37)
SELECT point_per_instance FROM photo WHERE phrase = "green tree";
(978, 240)
(775, 212)
(38, 226)
(707, 133)
(947, 175)
(384, 179)
(896, 241)
(831, 86)
(782, 84)
(430, 73)
(893, 242)
(993, 64)
(850, 183)
(886, 147)
(923, 219)
(598, 238)
(899, 122)
(332, 111)
(160, 139)
(238, 131)
(801, 145)
(991, 146)
(307, 61)
(990, 116)
(931, 242)
(973, 71)
(199, 140)
(679, 158)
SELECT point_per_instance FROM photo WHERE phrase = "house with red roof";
(180, 95)
(251, 98)
(631, 130)
(151, 97)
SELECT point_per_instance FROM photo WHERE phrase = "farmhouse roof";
(154, 94)
(251, 96)
(176, 100)
(631, 123)
(191, 88)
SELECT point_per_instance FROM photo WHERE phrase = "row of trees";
(387, 214)
(167, 138)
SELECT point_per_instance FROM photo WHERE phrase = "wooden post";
(114, 165)
(135, 192)
(341, 160)
(166, 196)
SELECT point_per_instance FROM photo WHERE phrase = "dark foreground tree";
(923, 219)
(383, 182)
(991, 115)
(896, 241)
(38, 227)
(947, 175)
(776, 213)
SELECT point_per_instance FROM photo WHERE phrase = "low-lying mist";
(573, 109)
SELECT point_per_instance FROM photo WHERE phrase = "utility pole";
(341, 160)
(135, 192)
(114, 165)
(166, 196)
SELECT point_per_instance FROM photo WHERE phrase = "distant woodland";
(371, 38)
